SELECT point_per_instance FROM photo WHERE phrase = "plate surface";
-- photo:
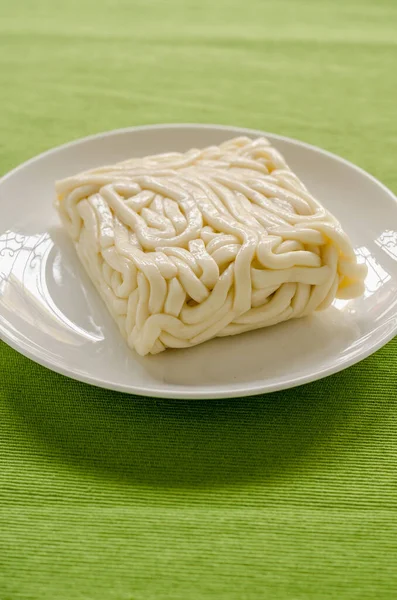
(50, 312)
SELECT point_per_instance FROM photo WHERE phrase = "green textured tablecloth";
(289, 496)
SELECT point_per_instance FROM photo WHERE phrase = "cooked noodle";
(213, 242)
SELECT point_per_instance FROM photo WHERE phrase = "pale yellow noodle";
(213, 242)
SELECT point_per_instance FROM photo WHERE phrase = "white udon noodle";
(213, 242)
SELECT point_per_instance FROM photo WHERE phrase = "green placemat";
(289, 496)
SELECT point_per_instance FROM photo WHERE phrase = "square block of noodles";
(212, 242)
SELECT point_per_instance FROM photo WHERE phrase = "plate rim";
(225, 390)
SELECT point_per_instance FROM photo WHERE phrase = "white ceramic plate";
(50, 312)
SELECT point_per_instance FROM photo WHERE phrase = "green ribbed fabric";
(290, 496)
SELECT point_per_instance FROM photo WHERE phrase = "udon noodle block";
(213, 242)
